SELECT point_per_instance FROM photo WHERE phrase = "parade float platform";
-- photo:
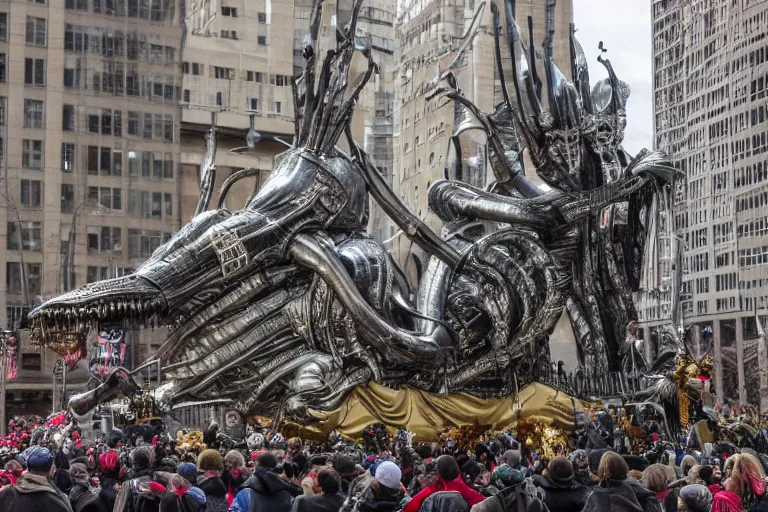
(428, 415)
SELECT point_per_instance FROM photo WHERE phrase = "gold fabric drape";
(428, 415)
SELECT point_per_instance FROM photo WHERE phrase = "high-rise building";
(426, 31)
(710, 105)
(237, 64)
(90, 157)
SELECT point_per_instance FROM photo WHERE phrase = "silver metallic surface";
(287, 303)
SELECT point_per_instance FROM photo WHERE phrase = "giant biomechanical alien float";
(287, 304)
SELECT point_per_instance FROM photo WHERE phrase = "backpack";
(142, 500)
(524, 497)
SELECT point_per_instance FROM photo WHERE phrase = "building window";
(186, 95)
(278, 107)
(104, 239)
(67, 198)
(80, 5)
(3, 26)
(262, 17)
(71, 72)
(34, 71)
(142, 243)
(107, 197)
(31, 236)
(68, 118)
(253, 76)
(67, 157)
(196, 69)
(2, 67)
(117, 120)
(280, 80)
(32, 154)
(168, 203)
(106, 122)
(133, 123)
(225, 73)
(229, 34)
(105, 161)
(253, 104)
(229, 11)
(168, 165)
(147, 126)
(168, 128)
(219, 99)
(13, 282)
(262, 40)
(33, 114)
(35, 31)
(31, 193)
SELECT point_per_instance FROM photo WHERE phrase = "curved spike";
(469, 36)
(619, 89)
(527, 100)
(563, 97)
(580, 73)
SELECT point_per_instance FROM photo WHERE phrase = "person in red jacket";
(449, 479)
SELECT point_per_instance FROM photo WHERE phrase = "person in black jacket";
(560, 490)
(210, 465)
(80, 496)
(265, 491)
(33, 491)
(329, 501)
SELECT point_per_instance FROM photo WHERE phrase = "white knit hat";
(388, 474)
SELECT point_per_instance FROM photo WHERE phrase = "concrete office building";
(90, 155)
(426, 30)
(239, 59)
(711, 104)
(238, 62)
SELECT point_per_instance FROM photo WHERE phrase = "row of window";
(225, 73)
(152, 10)
(101, 160)
(756, 173)
(753, 256)
(150, 205)
(13, 281)
(117, 78)
(110, 122)
(99, 239)
(754, 228)
(752, 201)
(109, 43)
(232, 13)
(94, 274)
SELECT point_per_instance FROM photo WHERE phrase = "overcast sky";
(624, 26)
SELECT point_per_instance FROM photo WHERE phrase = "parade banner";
(108, 351)
(13, 355)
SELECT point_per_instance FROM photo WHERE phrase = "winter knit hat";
(560, 471)
(506, 476)
(210, 460)
(388, 475)
(696, 497)
(188, 471)
(38, 458)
